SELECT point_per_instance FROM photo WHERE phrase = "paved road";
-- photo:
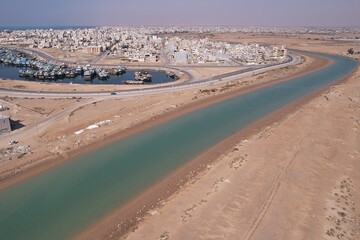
(100, 57)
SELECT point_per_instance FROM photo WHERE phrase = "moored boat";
(170, 74)
(134, 82)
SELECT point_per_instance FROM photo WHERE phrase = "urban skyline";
(160, 12)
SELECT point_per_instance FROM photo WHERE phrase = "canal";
(66, 199)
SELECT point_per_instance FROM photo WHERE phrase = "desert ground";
(297, 178)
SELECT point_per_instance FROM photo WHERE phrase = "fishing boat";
(143, 76)
(40, 75)
(29, 73)
(103, 75)
(22, 73)
(46, 75)
(134, 82)
(60, 74)
(170, 74)
(79, 70)
(87, 75)
(119, 70)
(53, 75)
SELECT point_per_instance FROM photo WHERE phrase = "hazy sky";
(180, 12)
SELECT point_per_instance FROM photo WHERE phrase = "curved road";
(41, 125)
(192, 82)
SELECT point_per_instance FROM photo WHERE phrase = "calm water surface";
(65, 200)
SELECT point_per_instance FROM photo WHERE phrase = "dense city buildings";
(146, 44)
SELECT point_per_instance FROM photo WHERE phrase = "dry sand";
(203, 73)
(79, 56)
(296, 179)
(308, 190)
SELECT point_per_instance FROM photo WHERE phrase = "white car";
(12, 142)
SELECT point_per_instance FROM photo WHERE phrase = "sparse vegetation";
(350, 51)
(19, 86)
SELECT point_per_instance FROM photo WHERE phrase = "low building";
(5, 124)
(181, 57)
(94, 49)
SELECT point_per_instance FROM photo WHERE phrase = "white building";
(181, 57)
(94, 49)
(4, 124)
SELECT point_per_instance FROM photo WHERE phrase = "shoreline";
(127, 216)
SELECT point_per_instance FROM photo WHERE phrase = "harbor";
(16, 65)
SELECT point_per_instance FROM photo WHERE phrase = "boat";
(92, 71)
(40, 75)
(143, 76)
(134, 82)
(119, 70)
(79, 70)
(53, 75)
(116, 71)
(60, 74)
(73, 73)
(30, 73)
(103, 75)
(22, 73)
(87, 75)
(122, 69)
(63, 66)
(68, 73)
(46, 75)
(170, 74)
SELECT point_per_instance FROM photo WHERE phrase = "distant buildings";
(181, 56)
(4, 124)
(199, 51)
(148, 44)
(94, 49)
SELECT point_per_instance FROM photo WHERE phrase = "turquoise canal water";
(68, 198)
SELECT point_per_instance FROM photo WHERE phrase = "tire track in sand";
(271, 196)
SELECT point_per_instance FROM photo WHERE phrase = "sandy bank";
(306, 190)
(127, 216)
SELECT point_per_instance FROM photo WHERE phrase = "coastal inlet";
(15, 65)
